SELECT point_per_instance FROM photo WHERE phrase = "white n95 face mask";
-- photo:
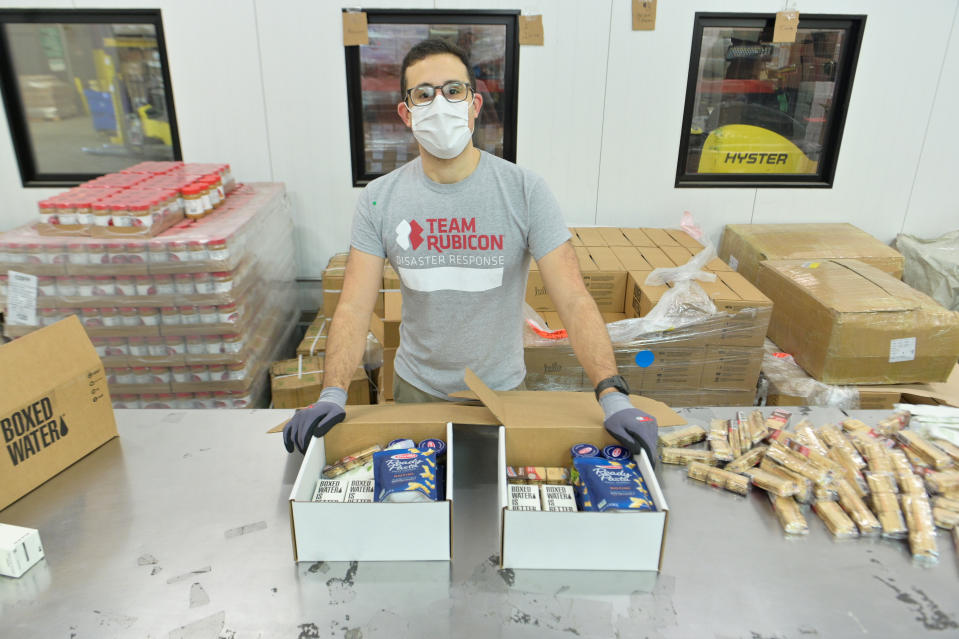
(442, 127)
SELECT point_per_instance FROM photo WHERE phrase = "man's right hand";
(315, 420)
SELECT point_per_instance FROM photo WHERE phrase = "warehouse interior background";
(261, 85)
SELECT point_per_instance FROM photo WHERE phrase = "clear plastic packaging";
(718, 478)
(837, 521)
(922, 529)
(930, 453)
(804, 494)
(943, 482)
(794, 462)
(744, 462)
(886, 507)
(682, 437)
(718, 440)
(857, 510)
(772, 483)
(683, 456)
(789, 515)
(835, 439)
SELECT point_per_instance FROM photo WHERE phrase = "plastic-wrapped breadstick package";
(922, 530)
(917, 462)
(805, 493)
(882, 482)
(745, 432)
(876, 458)
(947, 447)
(789, 515)
(854, 425)
(943, 482)
(718, 440)
(825, 493)
(794, 462)
(943, 518)
(909, 482)
(682, 437)
(757, 426)
(837, 521)
(857, 510)
(886, 507)
(778, 420)
(893, 424)
(683, 456)
(932, 454)
(734, 442)
(747, 461)
(719, 478)
(850, 472)
(802, 452)
(775, 484)
(946, 504)
(834, 438)
(807, 437)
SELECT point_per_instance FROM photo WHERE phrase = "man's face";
(437, 70)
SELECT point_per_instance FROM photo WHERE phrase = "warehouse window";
(380, 141)
(86, 92)
(760, 113)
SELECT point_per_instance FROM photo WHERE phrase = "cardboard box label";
(902, 350)
(21, 299)
(734, 262)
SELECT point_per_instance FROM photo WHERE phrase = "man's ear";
(405, 115)
(477, 104)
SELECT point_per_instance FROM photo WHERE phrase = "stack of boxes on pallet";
(298, 382)
(713, 362)
(188, 319)
(840, 309)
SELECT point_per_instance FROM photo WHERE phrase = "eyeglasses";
(453, 91)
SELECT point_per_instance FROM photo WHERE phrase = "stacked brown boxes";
(714, 362)
(386, 328)
(298, 382)
(846, 322)
(46, 97)
(333, 284)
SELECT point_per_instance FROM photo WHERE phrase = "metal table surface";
(180, 528)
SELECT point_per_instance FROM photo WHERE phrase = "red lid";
(165, 396)
(173, 339)
(169, 309)
(109, 309)
(101, 278)
(194, 243)
(181, 369)
(148, 309)
(63, 205)
(90, 310)
(197, 367)
(223, 274)
(85, 278)
(46, 278)
(144, 278)
(162, 276)
(148, 397)
(194, 338)
(155, 339)
(228, 307)
(138, 340)
(114, 246)
(184, 395)
(62, 278)
(217, 242)
(139, 368)
(183, 276)
(202, 395)
(161, 369)
(75, 246)
(220, 394)
(207, 308)
(46, 204)
(94, 247)
(124, 277)
(193, 189)
(32, 247)
(201, 276)
(127, 309)
(116, 340)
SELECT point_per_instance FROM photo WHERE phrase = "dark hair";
(425, 49)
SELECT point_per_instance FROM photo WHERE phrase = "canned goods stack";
(141, 201)
(191, 318)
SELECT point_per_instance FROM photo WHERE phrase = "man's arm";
(578, 311)
(346, 341)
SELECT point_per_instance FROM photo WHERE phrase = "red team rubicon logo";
(409, 235)
(444, 234)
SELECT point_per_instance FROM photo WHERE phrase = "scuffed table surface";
(180, 528)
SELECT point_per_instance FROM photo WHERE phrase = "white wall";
(261, 85)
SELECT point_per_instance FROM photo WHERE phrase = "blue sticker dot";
(644, 358)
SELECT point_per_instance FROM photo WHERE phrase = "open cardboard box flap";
(539, 409)
(411, 414)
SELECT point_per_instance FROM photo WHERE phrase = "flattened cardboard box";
(744, 246)
(846, 322)
(539, 429)
(54, 409)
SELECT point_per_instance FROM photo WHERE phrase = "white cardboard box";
(377, 531)
(20, 549)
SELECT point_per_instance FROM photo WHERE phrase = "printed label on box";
(902, 350)
(733, 262)
(22, 299)
(524, 497)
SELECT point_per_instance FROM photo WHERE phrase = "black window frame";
(354, 92)
(10, 93)
(854, 26)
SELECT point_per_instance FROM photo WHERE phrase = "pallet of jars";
(201, 400)
(135, 204)
(255, 219)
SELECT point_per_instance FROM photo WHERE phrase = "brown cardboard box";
(333, 276)
(387, 372)
(846, 322)
(54, 408)
(672, 369)
(603, 275)
(386, 328)
(631, 258)
(869, 399)
(636, 237)
(315, 339)
(298, 382)
(685, 239)
(732, 367)
(703, 397)
(590, 236)
(613, 236)
(554, 323)
(660, 237)
(744, 246)
(655, 257)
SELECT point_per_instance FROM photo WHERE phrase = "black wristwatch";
(616, 381)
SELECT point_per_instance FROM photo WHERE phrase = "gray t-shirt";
(462, 253)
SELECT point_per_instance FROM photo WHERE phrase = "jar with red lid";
(117, 346)
(56, 253)
(91, 317)
(222, 282)
(170, 316)
(142, 374)
(48, 316)
(206, 197)
(236, 372)
(32, 254)
(104, 285)
(101, 214)
(232, 343)
(84, 285)
(207, 314)
(97, 254)
(149, 315)
(83, 207)
(117, 253)
(240, 399)
(195, 345)
(14, 253)
(215, 186)
(164, 284)
(197, 251)
(199, 373)
(203, 283)
(129, 316)
(228, 313)
(110, 316)
(48, 212)
(183, 282)
(66, 286)
(165, 401)
(193, 201)
(148, 400)
(217, 372)
(218, 250)
(125, 375)
(157, 346)
(160, 375)
(125, 285)
(120, 216)
(177, 251)
(226, 175)
(213, 344)
(46, 286)
(188, 314)
(77, 253)
(203, 400)
(144, 285)
(99, 345)
(184, 400)
(221, 399)
(141, 215)
(157, 252)
(180, 374)
(138, 347)
(66, 214)
(174, 344)
(136, 252)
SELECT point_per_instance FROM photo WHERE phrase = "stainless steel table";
(180, 528)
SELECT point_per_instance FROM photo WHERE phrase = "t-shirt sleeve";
(547, 228)
(366, 233)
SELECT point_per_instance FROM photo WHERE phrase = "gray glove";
(631, 427)
(315, 420)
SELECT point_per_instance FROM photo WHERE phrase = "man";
(459, 226)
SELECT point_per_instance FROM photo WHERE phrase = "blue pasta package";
(404, 475)
(611, 485)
